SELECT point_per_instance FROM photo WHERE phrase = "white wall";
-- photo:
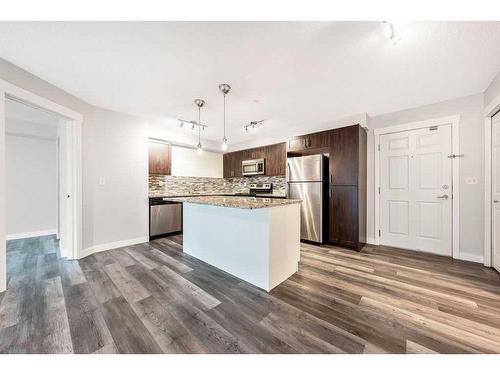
(31, 180)
(115, 152)
(493, 91)
(471, 125)
(187, 162)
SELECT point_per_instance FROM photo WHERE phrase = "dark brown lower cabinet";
(344, 217)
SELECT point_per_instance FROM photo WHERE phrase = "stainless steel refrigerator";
(305, 181)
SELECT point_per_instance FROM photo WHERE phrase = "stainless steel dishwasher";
(165, 217)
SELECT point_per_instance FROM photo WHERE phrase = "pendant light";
(224, 88)
(200, 103)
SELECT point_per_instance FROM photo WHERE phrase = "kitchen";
(324, 173)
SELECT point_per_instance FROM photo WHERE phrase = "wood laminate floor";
(152, 298)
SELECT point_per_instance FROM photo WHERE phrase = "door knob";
(495, 201)
(445, 196)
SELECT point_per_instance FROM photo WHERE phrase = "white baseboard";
(112, 245)
(471, 257)
(370, 240)
(17, 236)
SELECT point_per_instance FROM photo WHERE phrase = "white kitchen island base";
(260, 246)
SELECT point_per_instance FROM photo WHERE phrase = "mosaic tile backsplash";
(177, 185)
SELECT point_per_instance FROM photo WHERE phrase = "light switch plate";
(102, 181)
(471, 180)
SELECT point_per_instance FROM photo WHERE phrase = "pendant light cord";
(199, 127)
(224, 116)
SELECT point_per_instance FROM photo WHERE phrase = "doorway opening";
(40, 179)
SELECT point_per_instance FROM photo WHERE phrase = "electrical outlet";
(471, 180)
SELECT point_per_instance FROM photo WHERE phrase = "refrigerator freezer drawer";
(311, 209)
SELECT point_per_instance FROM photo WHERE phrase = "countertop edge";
(243, 205)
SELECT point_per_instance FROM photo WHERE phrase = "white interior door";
(495, 209)
(65, 188)
(416, 190)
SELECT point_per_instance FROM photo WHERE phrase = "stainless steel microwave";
(252, 167)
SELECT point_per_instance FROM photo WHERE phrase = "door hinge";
(379, 190)
(379, 146)
(453, 156)
(379, 233)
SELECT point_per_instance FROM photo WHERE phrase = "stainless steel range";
(258, 188)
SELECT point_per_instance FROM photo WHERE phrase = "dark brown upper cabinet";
(319, 140)
(309, 141)
(274, 155)
(231, 164)
(160, 159)
(254, 153)
(297, 143)
(344, 155)
(226, 167)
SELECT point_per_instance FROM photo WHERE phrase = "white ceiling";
(301, 73)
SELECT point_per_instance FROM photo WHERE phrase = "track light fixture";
(201, 127)
(253, 125)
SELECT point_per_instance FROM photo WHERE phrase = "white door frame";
(489, 111)
(454, 121)
(8, 90)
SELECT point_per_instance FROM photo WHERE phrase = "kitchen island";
(255, 239)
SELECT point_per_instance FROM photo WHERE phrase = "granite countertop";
(237, 202)
(169, 195)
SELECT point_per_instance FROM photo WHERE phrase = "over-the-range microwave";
(252, 167)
